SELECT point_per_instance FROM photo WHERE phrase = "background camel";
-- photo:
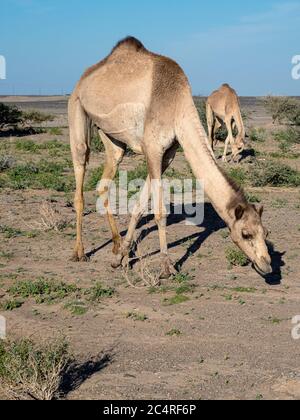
(223, 106)
(144, 101)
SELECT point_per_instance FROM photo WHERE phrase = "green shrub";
(10, 116)
(258, 135)
(235, 257)
(287, 139)
(275, 175)
(283, 109)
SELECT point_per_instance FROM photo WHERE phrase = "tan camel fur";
(144, 101)
(223, 106)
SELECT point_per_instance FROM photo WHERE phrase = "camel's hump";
(129, 42)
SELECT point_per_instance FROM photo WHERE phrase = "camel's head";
(239, 145)
(249, 234)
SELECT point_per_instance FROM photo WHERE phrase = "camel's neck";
(199, 154)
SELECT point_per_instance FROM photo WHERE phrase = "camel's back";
(130, 74)
(224, 100)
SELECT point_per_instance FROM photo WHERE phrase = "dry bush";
(146, 273)
(50, 219)
(32, 371)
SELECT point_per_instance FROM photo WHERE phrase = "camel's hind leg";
(114, 155)
(79, 139)
(230, 138)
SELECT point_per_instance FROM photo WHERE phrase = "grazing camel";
(144, 101)
(223, 106)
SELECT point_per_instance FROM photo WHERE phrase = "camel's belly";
(126, 124)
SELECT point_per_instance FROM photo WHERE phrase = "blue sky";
(48, 43)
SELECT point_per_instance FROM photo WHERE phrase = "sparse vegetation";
(94, 178)
(238, 174)
(236, 258)
(43, 175)
(97, 145)
(42, 290)
(30, 370)
(276, 175)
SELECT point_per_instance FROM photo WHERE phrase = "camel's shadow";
(212, 223)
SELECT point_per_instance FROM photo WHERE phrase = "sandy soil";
(233, 336)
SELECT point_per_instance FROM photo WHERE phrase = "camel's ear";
(239, 212)
(260, 211)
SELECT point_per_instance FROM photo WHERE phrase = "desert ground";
(216, 331)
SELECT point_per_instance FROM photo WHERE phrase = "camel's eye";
(247, 236)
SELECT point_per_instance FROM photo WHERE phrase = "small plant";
(236, 258)
(10, 232)
(11, 305)
(29, 370)
(178, 299)
(77, 308)
(174, 333)
(135, 316)
(98, 292)
(253, 199)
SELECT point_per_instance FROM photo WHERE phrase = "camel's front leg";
(139, 209)
(155, 171)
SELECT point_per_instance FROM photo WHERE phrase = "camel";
(223, 106)
(143, 101)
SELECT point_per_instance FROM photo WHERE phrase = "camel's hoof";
(77, 258)
(168, 270)
(117, 261)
